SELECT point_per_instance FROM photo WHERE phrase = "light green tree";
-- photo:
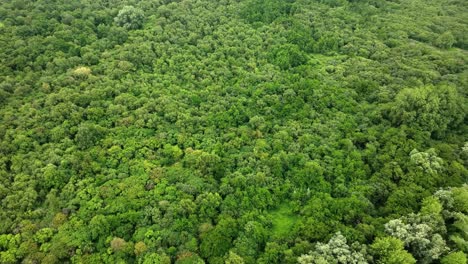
(390, 250)
(130, 17)
(420, 238)
(429, 108)
(427, 160)
(336, 251)
(233, 258)
(445, 40)
(454, 258)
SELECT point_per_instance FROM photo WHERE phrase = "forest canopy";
(234, 131)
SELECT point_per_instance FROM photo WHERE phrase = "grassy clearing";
(283, 220)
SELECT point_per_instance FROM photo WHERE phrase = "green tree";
(156, 258)
(454, 258)
(130, 17)
(390, 250)
(88, 135)
(445, 40)
(420, 238)
(217, 242)
(336, 250)
(429, 108)
(233, 258)
(288, 56)
(428, 161)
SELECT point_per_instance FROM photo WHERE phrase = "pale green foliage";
(311, 259)
(428, 160)
(420, 238)
(465, 148)
(118, 244)
(233, 258)
(446, 198)
(453, 200)
(82, 72)
(455, 206)
(336, 251)
(464, 152)
(130, 17)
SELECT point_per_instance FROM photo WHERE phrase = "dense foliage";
(233, 131)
